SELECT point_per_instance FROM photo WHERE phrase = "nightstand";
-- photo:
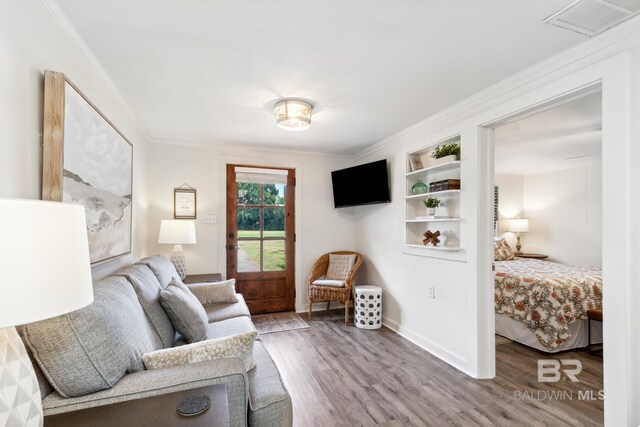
(202, 278)
(156, 411)
(534, 256)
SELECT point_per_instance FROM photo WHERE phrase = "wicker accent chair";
(331, 293)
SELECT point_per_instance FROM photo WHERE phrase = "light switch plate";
(431, 291)
(210, 219)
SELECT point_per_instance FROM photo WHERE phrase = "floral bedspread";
(546, 296)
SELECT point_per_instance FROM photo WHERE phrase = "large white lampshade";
(178, 232)
(46, 272)
(518, 225)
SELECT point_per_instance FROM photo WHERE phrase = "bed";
(543, 304)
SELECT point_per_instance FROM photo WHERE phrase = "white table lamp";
(178, 232)
(518, 225)
(46, 272)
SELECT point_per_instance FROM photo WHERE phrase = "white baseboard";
(452, 359)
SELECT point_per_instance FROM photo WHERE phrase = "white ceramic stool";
(367, 306)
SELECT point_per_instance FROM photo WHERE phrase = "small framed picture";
(184, 203)
(415, 162)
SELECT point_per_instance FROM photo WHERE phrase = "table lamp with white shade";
(518, 225)
(46, 272)
(178, 232)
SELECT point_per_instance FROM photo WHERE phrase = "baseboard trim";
(441, 353)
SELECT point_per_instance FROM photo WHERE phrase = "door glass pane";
(248, 193)
(274, 222)
(248, 255)
(273, 255)
(274, 194)
(249, 222)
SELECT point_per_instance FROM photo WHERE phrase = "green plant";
(432, 202)
(446, 150)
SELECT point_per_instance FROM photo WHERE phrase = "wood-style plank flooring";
(343, 376)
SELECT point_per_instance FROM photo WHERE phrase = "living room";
(438, 305)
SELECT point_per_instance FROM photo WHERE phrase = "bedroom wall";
(320, 228)
(32, 39)
(565, 215)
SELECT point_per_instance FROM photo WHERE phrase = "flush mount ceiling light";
(292, 114)
(591, 17)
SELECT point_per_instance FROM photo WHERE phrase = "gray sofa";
(93, 355)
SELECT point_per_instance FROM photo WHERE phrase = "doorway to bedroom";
(548, 245)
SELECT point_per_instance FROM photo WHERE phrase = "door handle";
(231, 247)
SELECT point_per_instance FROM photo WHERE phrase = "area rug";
(278, 322)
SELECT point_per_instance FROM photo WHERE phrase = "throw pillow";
(234, 346)
(216, 292)
(502, 251)
(340, 266)
(187, 315)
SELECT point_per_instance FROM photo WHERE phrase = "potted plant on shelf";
(432, 203)
(446, 153)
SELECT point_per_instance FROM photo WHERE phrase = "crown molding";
(618, 39)
(74, 36)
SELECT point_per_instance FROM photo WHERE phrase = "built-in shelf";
(434, 220)
(435, 248)
(433, 193)
(437, 168)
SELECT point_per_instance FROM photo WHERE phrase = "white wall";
(564, 209)
(565, 215)
(31, 41)
(320, 228)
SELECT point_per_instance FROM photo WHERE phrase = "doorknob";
(231, 235)
(231, 247)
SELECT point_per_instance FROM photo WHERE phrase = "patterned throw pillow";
(187, 315)
(502, 251)
(340, 266)
(216, 292)
(234, 346)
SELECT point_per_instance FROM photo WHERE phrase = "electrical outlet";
(210, 219)
(431, 291)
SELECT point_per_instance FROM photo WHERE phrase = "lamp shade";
(518, 225)
(177, 232)
(44, 255)
(292, 114)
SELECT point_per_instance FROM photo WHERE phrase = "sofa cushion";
(235, 346)
(269, 401)
(162, 268)
(340, 266)
(224, 328)
(92, 348)
(148, 290)
(215, 293)
(185, 311)
(330, 283)
(219, 312)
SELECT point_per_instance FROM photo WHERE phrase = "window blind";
(261, 176)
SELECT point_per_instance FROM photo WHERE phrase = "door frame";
(613, 74)
(290, 234)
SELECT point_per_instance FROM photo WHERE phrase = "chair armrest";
(143, 384)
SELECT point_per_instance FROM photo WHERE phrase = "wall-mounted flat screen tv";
(361, 185)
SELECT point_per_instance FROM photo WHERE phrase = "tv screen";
(361, 185)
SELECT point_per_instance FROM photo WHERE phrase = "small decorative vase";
(419, 188)
(431, 211)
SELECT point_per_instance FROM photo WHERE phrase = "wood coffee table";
(154, 411)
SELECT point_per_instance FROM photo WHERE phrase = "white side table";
(368, 307)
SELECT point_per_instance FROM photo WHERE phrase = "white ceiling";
(564, 137)
(209, 71)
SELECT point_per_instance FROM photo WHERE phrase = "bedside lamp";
(178, 232)
(46, 272)
(518, 225)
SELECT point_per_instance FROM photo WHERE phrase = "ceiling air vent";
(591, 17)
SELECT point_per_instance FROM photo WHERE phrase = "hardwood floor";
(343, 376)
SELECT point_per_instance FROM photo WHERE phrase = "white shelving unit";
(447, 219)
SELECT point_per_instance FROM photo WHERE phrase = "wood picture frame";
(415, 162)
(87, 160)
(185, 203)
